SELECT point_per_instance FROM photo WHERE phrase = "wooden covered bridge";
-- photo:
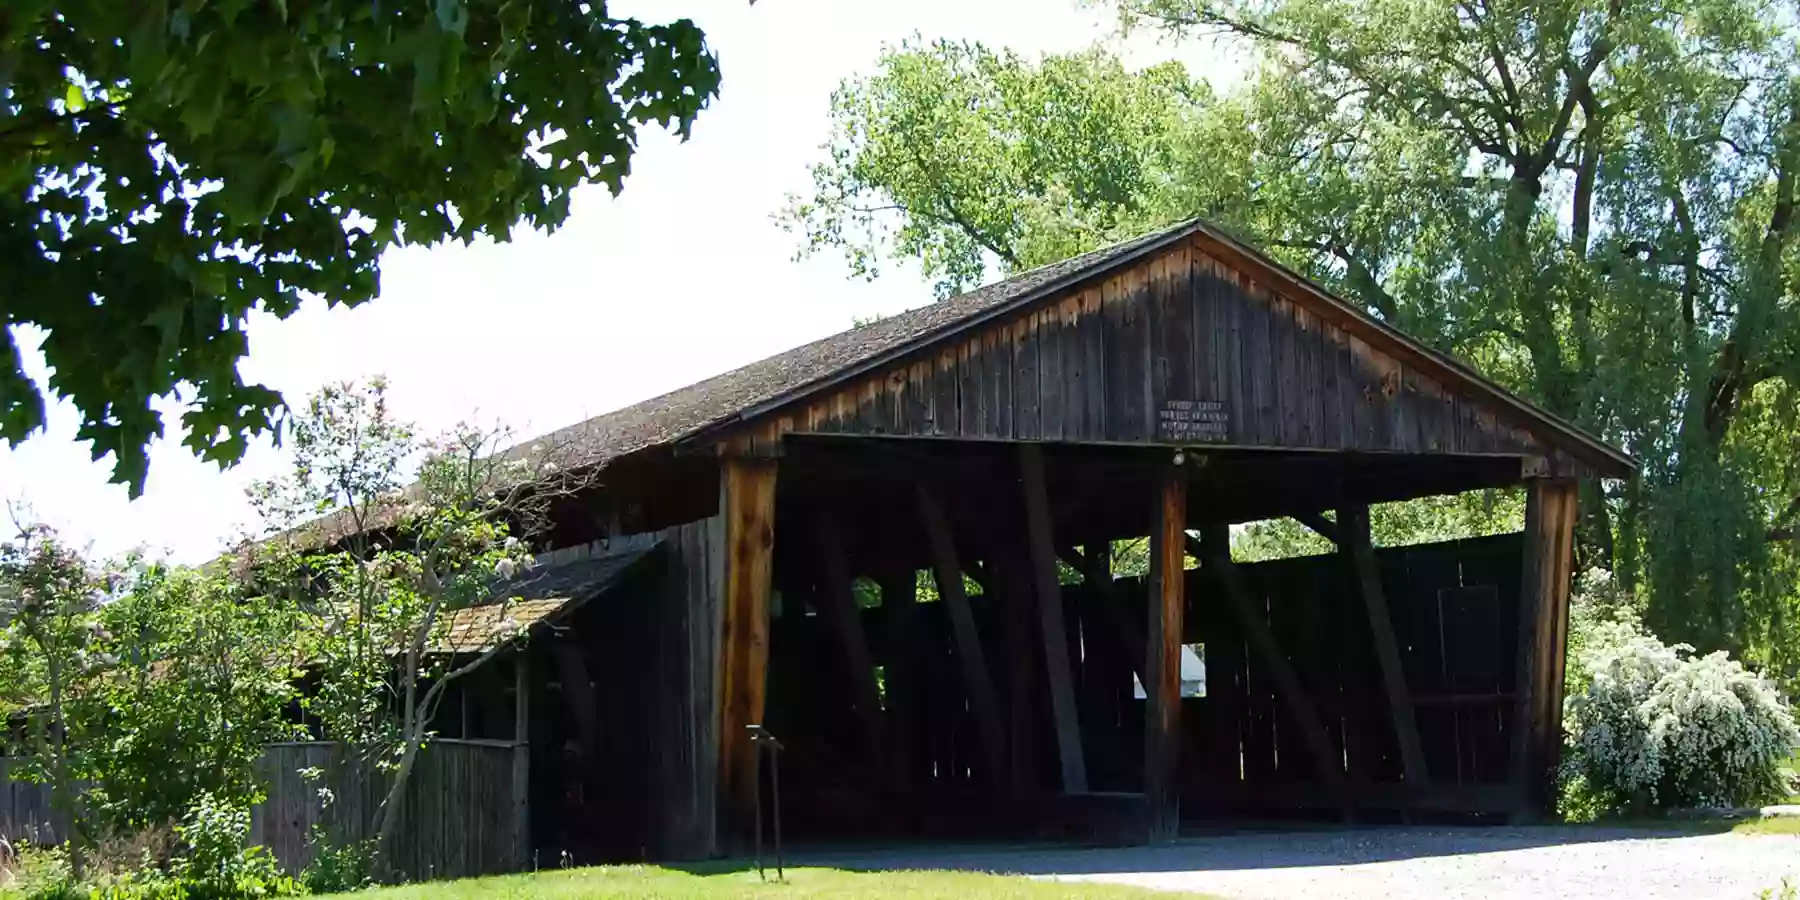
(893, 548)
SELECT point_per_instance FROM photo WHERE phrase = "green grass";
(1777, 825)
(645, 882)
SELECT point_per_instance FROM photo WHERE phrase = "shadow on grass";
(1241, 850)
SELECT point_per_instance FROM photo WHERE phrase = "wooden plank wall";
(1180, 348)
(686, 681)
(1454, 607)
(25, 808)
(456, 821)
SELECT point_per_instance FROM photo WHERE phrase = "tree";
(381, 574)
(50, 598)
(167, 169)
(1591, 202)
(204, 675)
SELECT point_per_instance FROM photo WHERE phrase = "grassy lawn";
(1782, 825)
(645, 882)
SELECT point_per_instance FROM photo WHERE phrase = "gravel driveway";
(1405, 863)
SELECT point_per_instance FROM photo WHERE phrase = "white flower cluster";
(1660, 726)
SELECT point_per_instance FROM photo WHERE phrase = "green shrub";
(338, 865)
(1656, 727)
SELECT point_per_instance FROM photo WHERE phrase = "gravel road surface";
(1403, 864)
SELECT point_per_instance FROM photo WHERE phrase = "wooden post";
(837, 606)
(1353, 527)
(521, 760)
(1215, 551)
(1162, 654)
(1550, 511)
(905, 660)
(1050, 616)
(976, 679)
(747, 500)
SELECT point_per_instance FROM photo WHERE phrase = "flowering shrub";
(1657, 727)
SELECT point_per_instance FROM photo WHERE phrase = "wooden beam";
(1320, 525)
(837, 606)
(1215, 554)
(747, 501)
(948, 575)
(1361, 550)
(1055, 632)
(1162, 654)
(1550, 511)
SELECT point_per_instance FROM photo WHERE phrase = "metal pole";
(775, 786)
(756, 801)
(766, 744)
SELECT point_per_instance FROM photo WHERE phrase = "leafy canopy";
(168, 168)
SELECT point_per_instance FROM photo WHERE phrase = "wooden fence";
(463, 812)
(461, 815)
(25, 811)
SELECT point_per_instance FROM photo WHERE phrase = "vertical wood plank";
(1050, 619)
(968, 387)
(1234, 358)
(1313, 387)
(1115, 341)
(946, 417)
(1262, 370)
(948, 574)
(1162, 654)
(1053, 410)
(1027, 426)
(1067, 312)
(1178, 337)
(748, 505)
(1090, 337)
(1203, 309)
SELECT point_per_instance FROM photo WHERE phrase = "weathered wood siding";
(457, 817)
(25, 808)
(1181, 348)
(686, 681)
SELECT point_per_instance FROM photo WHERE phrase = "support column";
(1550, 513)
(1048, 591)
(747, 501)
(1162, 654)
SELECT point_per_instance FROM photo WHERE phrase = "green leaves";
(188, 157)
(963, 158)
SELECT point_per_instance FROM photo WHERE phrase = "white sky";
(683, 276)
